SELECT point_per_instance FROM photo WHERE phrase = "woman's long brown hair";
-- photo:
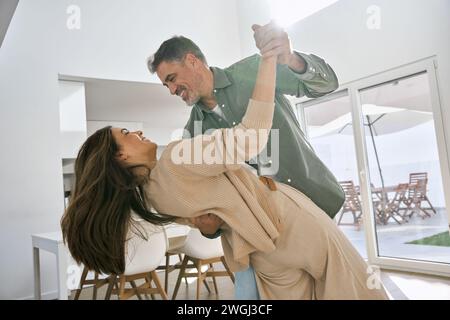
(97, 220)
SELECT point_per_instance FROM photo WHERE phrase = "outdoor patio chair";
(393, 207)
(351, 203)
(417, 193)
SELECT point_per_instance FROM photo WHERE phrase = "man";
(219, 98)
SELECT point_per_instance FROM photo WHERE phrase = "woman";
(204, 177)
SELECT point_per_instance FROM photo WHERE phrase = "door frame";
(352, 89)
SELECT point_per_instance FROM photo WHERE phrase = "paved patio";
(393, 238)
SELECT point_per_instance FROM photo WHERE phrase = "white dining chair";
(201, 251)
(145, 249)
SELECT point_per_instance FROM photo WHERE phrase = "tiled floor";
(186, 292)
(408, 286)
(400, 286)
(392, 239)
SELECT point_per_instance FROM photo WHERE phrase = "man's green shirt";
(298, 165)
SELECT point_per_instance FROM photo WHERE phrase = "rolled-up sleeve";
(317, 80)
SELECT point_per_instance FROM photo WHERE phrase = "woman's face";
(134, 148)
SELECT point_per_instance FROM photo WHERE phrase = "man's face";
(182, 79)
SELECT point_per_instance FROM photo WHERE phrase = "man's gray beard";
(190, 104)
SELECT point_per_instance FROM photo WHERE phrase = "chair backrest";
(145, 248)
(418, 190)
(200, 247)
(414, 177)
(351, 195)
(176, 235)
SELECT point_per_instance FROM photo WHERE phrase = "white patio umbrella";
(380, 120)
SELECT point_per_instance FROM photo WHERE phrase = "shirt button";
(234, 123)
(324, 75)
(220, 120)
(215, 90)
(223, 106)
(289, 180)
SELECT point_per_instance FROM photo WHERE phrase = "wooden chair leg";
(227, 268)
(180, 256)
(340, 218)
(424, 214)
(431, 206)
(111, 282)
(206, 285)
(94, 290)
(166, 276)
(198, 265)
(82, 280)
(121, 287)
(133, 285)
(148, 280)
(180, 276)
(214, 280)
(205, 282)
(162, 292)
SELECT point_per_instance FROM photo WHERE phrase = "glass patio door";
(383, 138)
(409, 210)
(328, 123)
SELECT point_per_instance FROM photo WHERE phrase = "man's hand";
(207, 223)
(272, 40)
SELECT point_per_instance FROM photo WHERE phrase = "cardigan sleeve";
(223, 149)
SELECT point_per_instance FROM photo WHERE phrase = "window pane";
(329, 126)
(407, 194)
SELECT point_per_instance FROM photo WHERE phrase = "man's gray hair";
(174, 49)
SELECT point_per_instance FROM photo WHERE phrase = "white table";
(51, 242)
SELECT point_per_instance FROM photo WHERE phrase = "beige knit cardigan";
(296, 250)
(224, 188)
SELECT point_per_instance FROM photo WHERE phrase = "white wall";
(410, 30)
(251, 12)
(72, 117)
(93, 126)
(150, 104)
(113, 43)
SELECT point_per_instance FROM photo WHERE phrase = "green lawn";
(440, 239)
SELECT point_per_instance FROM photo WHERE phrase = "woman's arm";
(228, 149)
(264, 90)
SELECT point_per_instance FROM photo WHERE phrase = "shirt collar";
(221, 81)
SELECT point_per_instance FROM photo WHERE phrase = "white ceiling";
(152, 104)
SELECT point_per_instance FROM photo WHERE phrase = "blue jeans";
(245, 285)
